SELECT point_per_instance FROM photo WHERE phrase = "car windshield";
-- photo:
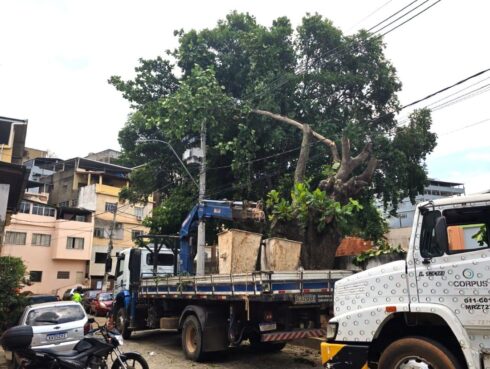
(105, 296)
(55, 315)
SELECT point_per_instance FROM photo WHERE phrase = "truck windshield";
(163, 259)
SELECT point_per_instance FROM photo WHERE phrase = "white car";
(56, 325)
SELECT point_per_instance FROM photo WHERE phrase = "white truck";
(430, 311)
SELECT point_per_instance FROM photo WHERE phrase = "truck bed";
(256, 285)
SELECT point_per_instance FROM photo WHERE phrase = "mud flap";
(341, 356)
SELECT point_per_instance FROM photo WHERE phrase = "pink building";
(55, 244)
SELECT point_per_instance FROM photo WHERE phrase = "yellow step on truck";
(430, 311)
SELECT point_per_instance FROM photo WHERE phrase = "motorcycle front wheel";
(132, 360)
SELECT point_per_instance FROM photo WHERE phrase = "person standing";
(77, 295)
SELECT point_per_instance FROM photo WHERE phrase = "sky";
(57, 55)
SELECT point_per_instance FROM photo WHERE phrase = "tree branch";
(303, 155)
(294, 123)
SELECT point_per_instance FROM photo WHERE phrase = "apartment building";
(54, 243)
(13, 175)
(95, 186)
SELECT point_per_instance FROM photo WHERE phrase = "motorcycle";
(91, 352)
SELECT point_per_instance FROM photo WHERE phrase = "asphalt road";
(162, 350)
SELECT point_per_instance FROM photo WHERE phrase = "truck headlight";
(332, 329)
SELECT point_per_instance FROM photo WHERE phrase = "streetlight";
(143, 140)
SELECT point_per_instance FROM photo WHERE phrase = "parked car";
(69, 293)
(102, 304)
(56, 325)
(39, 299)
(88, 297)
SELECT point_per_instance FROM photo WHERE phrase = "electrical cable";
(391, 16)
(408, 20)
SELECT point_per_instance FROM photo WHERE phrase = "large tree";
(309, 114)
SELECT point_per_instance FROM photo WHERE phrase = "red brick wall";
(353, 246)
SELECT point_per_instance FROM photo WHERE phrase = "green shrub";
(12, 272)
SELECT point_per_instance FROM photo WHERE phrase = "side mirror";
(108, 265)
(91, 320)
(441, 233)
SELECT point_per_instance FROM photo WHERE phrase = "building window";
(25, 207)
(100, 257)
(99, 232)
(64, 204)
(39, 209)
(15, 238)
(80, 218)
(138, 212)
(111, 207)
(136, 233)
(39, 239)
(35, 276)
(75, 243)
(63, 275)
(74, 203)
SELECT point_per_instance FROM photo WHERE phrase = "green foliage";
(239, 64)
(481, 236)
(382, 248)
(304, 201)
(12, 272)
(170, 213)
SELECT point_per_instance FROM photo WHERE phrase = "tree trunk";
(319, 247)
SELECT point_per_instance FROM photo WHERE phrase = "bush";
(12, 271)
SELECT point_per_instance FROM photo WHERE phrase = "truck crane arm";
(213, 209)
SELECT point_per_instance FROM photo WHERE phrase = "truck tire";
(418, 351)
(192, 339)
(122, 323)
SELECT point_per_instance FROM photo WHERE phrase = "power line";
(445, 88)
(409, 19)
(466, 127)
(463, 97)
(400, 17)
(371, 14)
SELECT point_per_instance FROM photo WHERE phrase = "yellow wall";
(5, 153)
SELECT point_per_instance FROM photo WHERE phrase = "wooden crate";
(280, 254)
(238, 251)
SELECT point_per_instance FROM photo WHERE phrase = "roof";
(481, 197)
(447, 183)
(14, 119)
(98, 165)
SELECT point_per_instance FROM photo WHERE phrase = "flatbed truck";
(215, 312)
(155, 289)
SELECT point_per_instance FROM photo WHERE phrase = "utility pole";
(201, 230)
(109, 251)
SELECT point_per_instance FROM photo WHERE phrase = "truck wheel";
(192, 339)
(122, 323)
(417, 352)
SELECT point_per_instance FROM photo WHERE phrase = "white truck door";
(456, 274)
